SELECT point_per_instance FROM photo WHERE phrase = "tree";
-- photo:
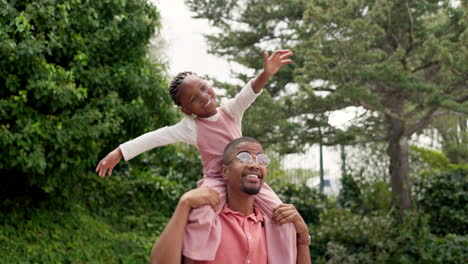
(404, 62)
(76, 80)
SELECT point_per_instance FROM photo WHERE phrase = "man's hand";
(272, 64)
(108, 163)
(286, 213)
(199, 197)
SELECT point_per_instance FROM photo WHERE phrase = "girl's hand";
(272, 64)
(199, 197)
(108, 163)
(286, 213)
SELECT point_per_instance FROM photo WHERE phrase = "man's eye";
(245, 159)
(194, 99)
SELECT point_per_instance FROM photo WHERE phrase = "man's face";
(244, 177)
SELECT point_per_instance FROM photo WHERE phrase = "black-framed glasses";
(260, 159)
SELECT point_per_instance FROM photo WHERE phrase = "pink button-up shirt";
(242, 239)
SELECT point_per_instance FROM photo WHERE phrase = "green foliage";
(350, 193)
(53, 236)
(343, 237)
(444, 197)
(309, 202)
(139, 201)
(364, 197)
(427, 159)
(183, 165)
(451, 132)
(76, 80)
(393, 59)
(111, 220)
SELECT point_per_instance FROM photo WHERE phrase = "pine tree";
(403, 62)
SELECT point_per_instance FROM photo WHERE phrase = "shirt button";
(248, 261)
(249, 237)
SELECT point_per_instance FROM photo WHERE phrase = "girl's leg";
(280, 239)
(203, 232)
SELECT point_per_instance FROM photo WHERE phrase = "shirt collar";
(256, 216)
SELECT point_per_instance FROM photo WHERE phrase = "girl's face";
(197, 97)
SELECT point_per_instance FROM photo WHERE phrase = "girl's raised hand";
(108, 163)
(272, 64)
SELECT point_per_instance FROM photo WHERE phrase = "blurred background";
(367, 128)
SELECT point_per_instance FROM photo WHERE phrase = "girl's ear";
(186, 111)
(224, 172)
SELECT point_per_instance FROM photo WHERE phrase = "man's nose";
(254, 165)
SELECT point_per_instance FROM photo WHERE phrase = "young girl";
(210, 131)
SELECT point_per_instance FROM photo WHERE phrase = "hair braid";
(175, 85)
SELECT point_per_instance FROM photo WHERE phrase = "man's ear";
(224, 171)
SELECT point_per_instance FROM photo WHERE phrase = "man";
(243, 233)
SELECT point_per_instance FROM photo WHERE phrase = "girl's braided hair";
(175, 85)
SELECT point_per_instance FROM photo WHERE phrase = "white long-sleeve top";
(185, 130)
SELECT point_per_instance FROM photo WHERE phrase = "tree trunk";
(399, 164)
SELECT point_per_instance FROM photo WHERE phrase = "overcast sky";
(186, 49)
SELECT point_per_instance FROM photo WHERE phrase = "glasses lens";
(263, 160)
(244, 157)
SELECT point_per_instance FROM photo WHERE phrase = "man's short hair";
(233, 144)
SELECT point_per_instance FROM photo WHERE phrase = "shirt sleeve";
(236, 106)
(184, 131)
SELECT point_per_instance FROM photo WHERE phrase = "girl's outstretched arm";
(168, 248)
(271, 65)
(107, 164)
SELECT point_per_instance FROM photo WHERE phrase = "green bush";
(444, 197)
(129, 203)
(344, 237)
(55, 236)
(112, 220)
(309, 202)
(364, 196)
(76, 80)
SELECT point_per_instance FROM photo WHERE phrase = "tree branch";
(411, 28)
(420, 107)
(385, 112)
(448, 112)
(368, 140)
(413, 112)
(324, 89)
(462, 99)
(425, 66)
(423, 122)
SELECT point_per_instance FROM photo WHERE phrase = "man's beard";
(251, 190)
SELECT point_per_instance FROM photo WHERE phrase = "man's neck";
(241, 203)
